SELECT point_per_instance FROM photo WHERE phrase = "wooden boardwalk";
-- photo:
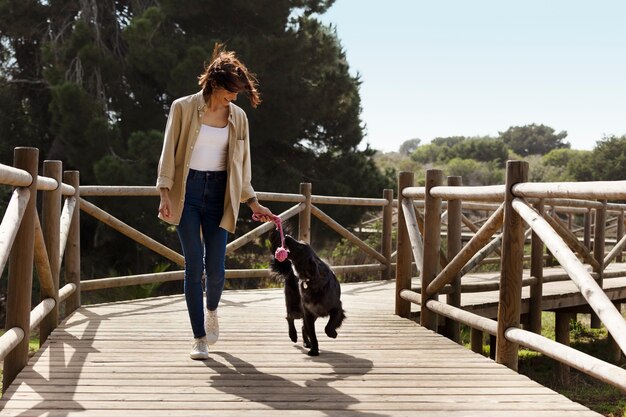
(131, 359)
(560, 294)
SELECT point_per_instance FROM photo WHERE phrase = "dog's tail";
(342, 317)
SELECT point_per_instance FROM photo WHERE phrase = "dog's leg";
(309, 324)
(292, 302)
(293, 334)
(335, 320)
(305, 337)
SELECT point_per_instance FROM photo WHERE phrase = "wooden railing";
(305, 205)
(52, 245)
(27, 241)
(522, 205)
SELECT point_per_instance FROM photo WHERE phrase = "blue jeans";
(202, 212)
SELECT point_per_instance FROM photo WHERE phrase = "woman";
(204, 173)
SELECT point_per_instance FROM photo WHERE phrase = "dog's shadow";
(244, 380)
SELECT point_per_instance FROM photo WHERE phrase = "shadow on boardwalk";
(316, 394)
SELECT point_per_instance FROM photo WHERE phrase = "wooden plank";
(418, 411)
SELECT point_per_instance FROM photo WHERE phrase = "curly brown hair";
(226, 71)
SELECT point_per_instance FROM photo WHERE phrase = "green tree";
(533, 139)
(429, 153)
(484, 149)
(475, 172)
(392, 163)
(409, 146)
(90, 82)
(442, 150)
(607, 161)
(563, 165)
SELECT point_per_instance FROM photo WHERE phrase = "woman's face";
(223, 97)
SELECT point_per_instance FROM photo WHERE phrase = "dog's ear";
(313, 267)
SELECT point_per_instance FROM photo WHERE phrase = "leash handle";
(281, 253)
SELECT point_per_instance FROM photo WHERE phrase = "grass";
(596, 395)
(601, 397)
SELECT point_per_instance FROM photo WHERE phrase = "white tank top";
(210, 150)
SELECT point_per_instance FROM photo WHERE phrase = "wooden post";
(403, 250)
(512, 265)
(598, 253)
(455, 224)
(304, 229)
(20, 285)
(387, 229)
(51, 225)
(432, 245)
(476, 340)
(561, 330)
(72, 249)
(536, 270)
(492, 346)
(587, 229)
(615, 353)
(592, 228)
(619, 233)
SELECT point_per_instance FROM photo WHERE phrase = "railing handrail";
(31, 241)
(20, 178)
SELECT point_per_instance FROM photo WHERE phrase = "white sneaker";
(200, 350)
(211, 326)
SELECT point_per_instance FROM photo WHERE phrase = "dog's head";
(303, 257)
(297, 247)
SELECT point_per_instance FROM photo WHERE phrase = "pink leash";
(281, 253)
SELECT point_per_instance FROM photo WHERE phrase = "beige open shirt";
(181, 132)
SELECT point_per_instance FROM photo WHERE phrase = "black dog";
(311, 291)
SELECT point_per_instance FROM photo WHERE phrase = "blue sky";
(444, 68)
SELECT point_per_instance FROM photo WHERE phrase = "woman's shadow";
(244, 380)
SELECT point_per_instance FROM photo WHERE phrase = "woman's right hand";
(165, 206)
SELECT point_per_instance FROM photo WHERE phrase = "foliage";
(409, 146)
(540, 170)
(474, 172)
(533, 139)
(347, 253)
(607, 161)
(442, 150)
(392, 163)
(429, 153)
(561, 165)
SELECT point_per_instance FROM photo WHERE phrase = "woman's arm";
(166, 168)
